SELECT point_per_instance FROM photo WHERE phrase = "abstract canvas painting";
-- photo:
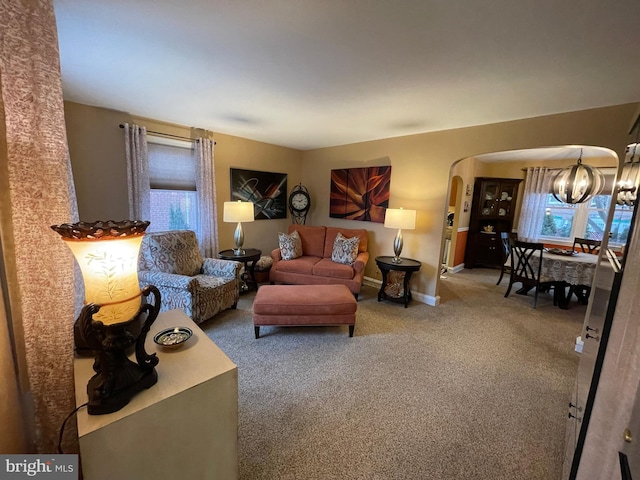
(267, 191)
(360, 193)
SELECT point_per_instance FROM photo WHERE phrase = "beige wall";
(421, 171)
(96, 147)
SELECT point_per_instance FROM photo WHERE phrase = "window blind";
(171, 168)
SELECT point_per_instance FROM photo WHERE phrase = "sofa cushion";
(290, 245)
(303, 265)
(332, 232)
(345, 250)
(312, 239)
(173, 252)
(328, 268)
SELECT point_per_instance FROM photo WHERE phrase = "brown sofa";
(315, 266)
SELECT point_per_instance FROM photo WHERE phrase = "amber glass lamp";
(107, 253)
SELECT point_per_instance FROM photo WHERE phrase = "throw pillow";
(290, 245)
(345, 250)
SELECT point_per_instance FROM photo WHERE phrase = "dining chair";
(524, 270)
(505, 251)
(587, 245)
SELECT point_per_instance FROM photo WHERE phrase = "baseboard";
(456, 269)
(420, 297)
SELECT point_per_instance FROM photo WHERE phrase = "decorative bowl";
(173, 337)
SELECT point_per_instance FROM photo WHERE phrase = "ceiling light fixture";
(629, 182)
(578, 183)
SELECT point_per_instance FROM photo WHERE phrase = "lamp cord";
(65, 423)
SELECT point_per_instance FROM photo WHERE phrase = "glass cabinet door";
(505, 200)
(489, 199)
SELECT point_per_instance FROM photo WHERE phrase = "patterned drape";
(206, 190)
(537, 186)
(138, 172)
(37, 191)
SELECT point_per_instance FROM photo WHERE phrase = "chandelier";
(629, 182)
(577, 183)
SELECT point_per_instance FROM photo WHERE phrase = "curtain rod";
(170, 135)
(556, 168)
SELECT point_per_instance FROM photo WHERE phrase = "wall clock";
(299, 204)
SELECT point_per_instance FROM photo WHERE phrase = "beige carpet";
(476, 388)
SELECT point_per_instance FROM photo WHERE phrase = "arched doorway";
(506, 164)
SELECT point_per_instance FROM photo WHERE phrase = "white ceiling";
(314, 73)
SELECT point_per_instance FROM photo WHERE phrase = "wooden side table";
(392, 275)
(249, 258)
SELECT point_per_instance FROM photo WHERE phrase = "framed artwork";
(360, 193)
(466, 206)
(267, 191)
(468, 189)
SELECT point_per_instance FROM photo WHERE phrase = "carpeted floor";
(476, 388)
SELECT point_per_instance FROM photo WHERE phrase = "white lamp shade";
(400, 218)
(110, 271)
(238, 212)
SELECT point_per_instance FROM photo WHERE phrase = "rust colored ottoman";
(298, 305)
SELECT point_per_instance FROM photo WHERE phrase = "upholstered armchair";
(201, 287)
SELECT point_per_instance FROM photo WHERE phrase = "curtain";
(537, 186)
(36, 191)
(138, 172)
(206, 190)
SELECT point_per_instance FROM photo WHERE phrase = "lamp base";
(239, 251)
(397, 247)
(118, 379)
(99, 405)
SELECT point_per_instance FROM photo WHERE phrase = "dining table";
(566, 269)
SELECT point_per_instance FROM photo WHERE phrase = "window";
(563, 222)
(172, 172)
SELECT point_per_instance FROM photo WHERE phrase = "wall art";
(360, 193)
(267, 191)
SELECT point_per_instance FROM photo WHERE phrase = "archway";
(511, 164)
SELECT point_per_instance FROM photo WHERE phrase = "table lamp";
(401, 219)
(107, 253)
(238, 212)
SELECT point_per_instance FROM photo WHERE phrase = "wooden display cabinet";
(493, 208)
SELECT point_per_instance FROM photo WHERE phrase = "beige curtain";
(137, 154)
(37, 268)
(206, 190)
(537, 186)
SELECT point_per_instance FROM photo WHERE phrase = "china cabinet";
(493, 208)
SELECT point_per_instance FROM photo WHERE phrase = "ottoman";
(298, 305)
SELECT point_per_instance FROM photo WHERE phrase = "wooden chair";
(506, 251)
(587, 245)
(524, 270)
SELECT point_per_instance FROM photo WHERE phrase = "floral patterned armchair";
(201, 287)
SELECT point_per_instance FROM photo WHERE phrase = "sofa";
(201, 287)
(315, 266)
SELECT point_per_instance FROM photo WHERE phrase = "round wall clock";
(299, 204)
